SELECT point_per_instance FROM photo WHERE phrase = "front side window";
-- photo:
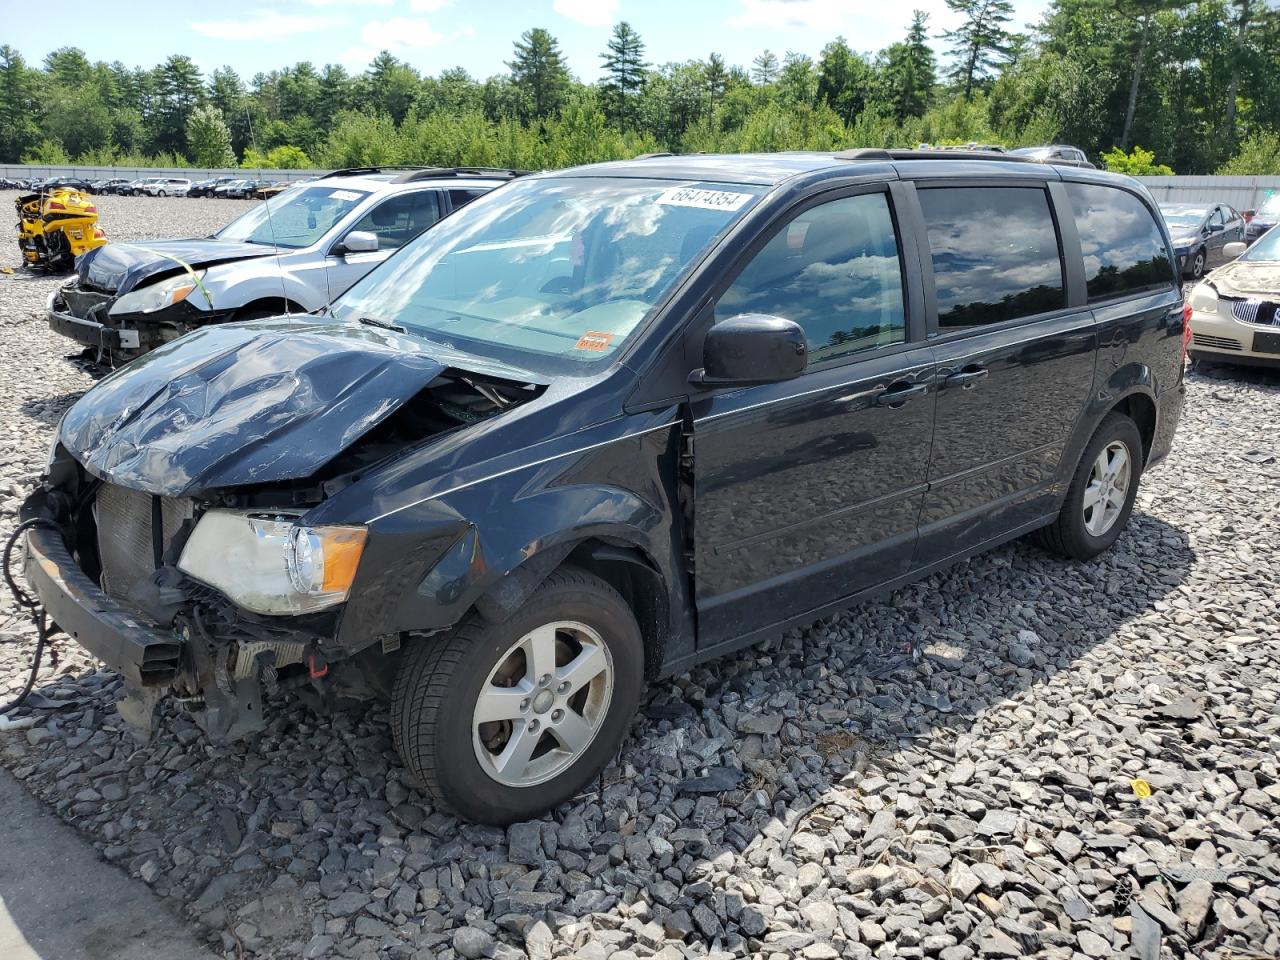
(293, 218)
(995, 254)
(549, 273)
(835, 270)
(1124, 250)
(399, 219)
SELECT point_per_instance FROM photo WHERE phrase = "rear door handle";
(967, 377)
(899, 392)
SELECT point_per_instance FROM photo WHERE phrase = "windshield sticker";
(706, 199)
(344, 195)
(593, 341)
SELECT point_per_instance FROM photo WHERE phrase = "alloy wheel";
(542, 704)
(1108, 488)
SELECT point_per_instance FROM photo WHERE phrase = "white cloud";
(428, 6)
(399, 35)
(589, 13)
(266, 25)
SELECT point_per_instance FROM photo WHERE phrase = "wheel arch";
(618, 560)
(269, 305)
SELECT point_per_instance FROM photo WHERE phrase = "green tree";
(980, 42)
(390, 86)
(67, 66)
(539, 73)
(209, 139)
(19, 105)
(765, 69)
(715, 76)
(844, 79)
(798, 82)
(179, 90)
(624, 69)
(1139, 163)
(1258, 156)
(908, 72)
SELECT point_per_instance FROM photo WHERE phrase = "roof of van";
(774, 168)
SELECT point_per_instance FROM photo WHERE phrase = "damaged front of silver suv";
(175, 541)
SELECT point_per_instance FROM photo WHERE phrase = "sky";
(434, 35)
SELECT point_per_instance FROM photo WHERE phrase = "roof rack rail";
(650, 156)
(427, 173)
(873, 153)
(411, 172)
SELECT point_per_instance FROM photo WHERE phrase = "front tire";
(1100, 498)
(500, 722)
(1197, 265)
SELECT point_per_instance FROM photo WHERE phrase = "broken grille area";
(134, 530)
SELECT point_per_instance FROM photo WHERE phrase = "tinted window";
(398, 220)
(995, 254)
(1122, 246)
(460, 198)
(833, 269)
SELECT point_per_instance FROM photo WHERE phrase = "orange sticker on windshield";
(596, 342)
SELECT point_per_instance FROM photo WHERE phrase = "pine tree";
(717, 77)
(908, 71)
(844, 79)
(624, 68)
(18, 105)
(208, 139)
(539, 73)
(980, 42)
(764, 69)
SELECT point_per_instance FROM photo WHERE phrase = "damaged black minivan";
(602, 424)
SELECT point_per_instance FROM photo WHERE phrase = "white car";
(293, 253)
(167, 187)
(1235, 311)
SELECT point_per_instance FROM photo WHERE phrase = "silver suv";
(293, 253)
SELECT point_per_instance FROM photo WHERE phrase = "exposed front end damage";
(116, 576)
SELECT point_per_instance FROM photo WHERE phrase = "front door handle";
(967, 377)
(899, 392)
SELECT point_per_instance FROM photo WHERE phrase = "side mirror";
(359, 241)
(1217, 227)
(751, 348)
(1234, 249)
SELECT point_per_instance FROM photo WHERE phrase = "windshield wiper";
(381, 324)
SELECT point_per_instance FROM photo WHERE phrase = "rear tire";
(1096, 509)
(543, 747)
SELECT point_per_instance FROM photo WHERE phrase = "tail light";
(91, 208)
(57, 205)
(1186, 329)
(99, 233)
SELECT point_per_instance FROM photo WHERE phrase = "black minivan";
(605, 423)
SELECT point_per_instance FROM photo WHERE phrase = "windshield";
(1270, 206)
(549, 273)
(1265, 248)
(1183, 221)
(294, 218)
(1030, 152)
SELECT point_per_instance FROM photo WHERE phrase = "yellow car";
(56, 226)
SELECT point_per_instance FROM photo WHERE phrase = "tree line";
(1136, 82)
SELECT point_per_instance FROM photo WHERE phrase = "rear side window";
(460, 198)
(833, 269)
(1124, 250)
(995, 254)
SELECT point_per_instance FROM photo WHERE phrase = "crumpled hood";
(122, 266)
(1248, 278)
(243, 403)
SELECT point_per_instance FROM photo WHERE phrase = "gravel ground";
(952, 773)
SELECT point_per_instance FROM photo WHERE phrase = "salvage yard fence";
(1243, 193)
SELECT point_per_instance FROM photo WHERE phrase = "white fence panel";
(1243, 193)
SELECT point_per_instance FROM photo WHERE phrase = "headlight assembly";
(269, 563)
(157, 296)
(1204, 299)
